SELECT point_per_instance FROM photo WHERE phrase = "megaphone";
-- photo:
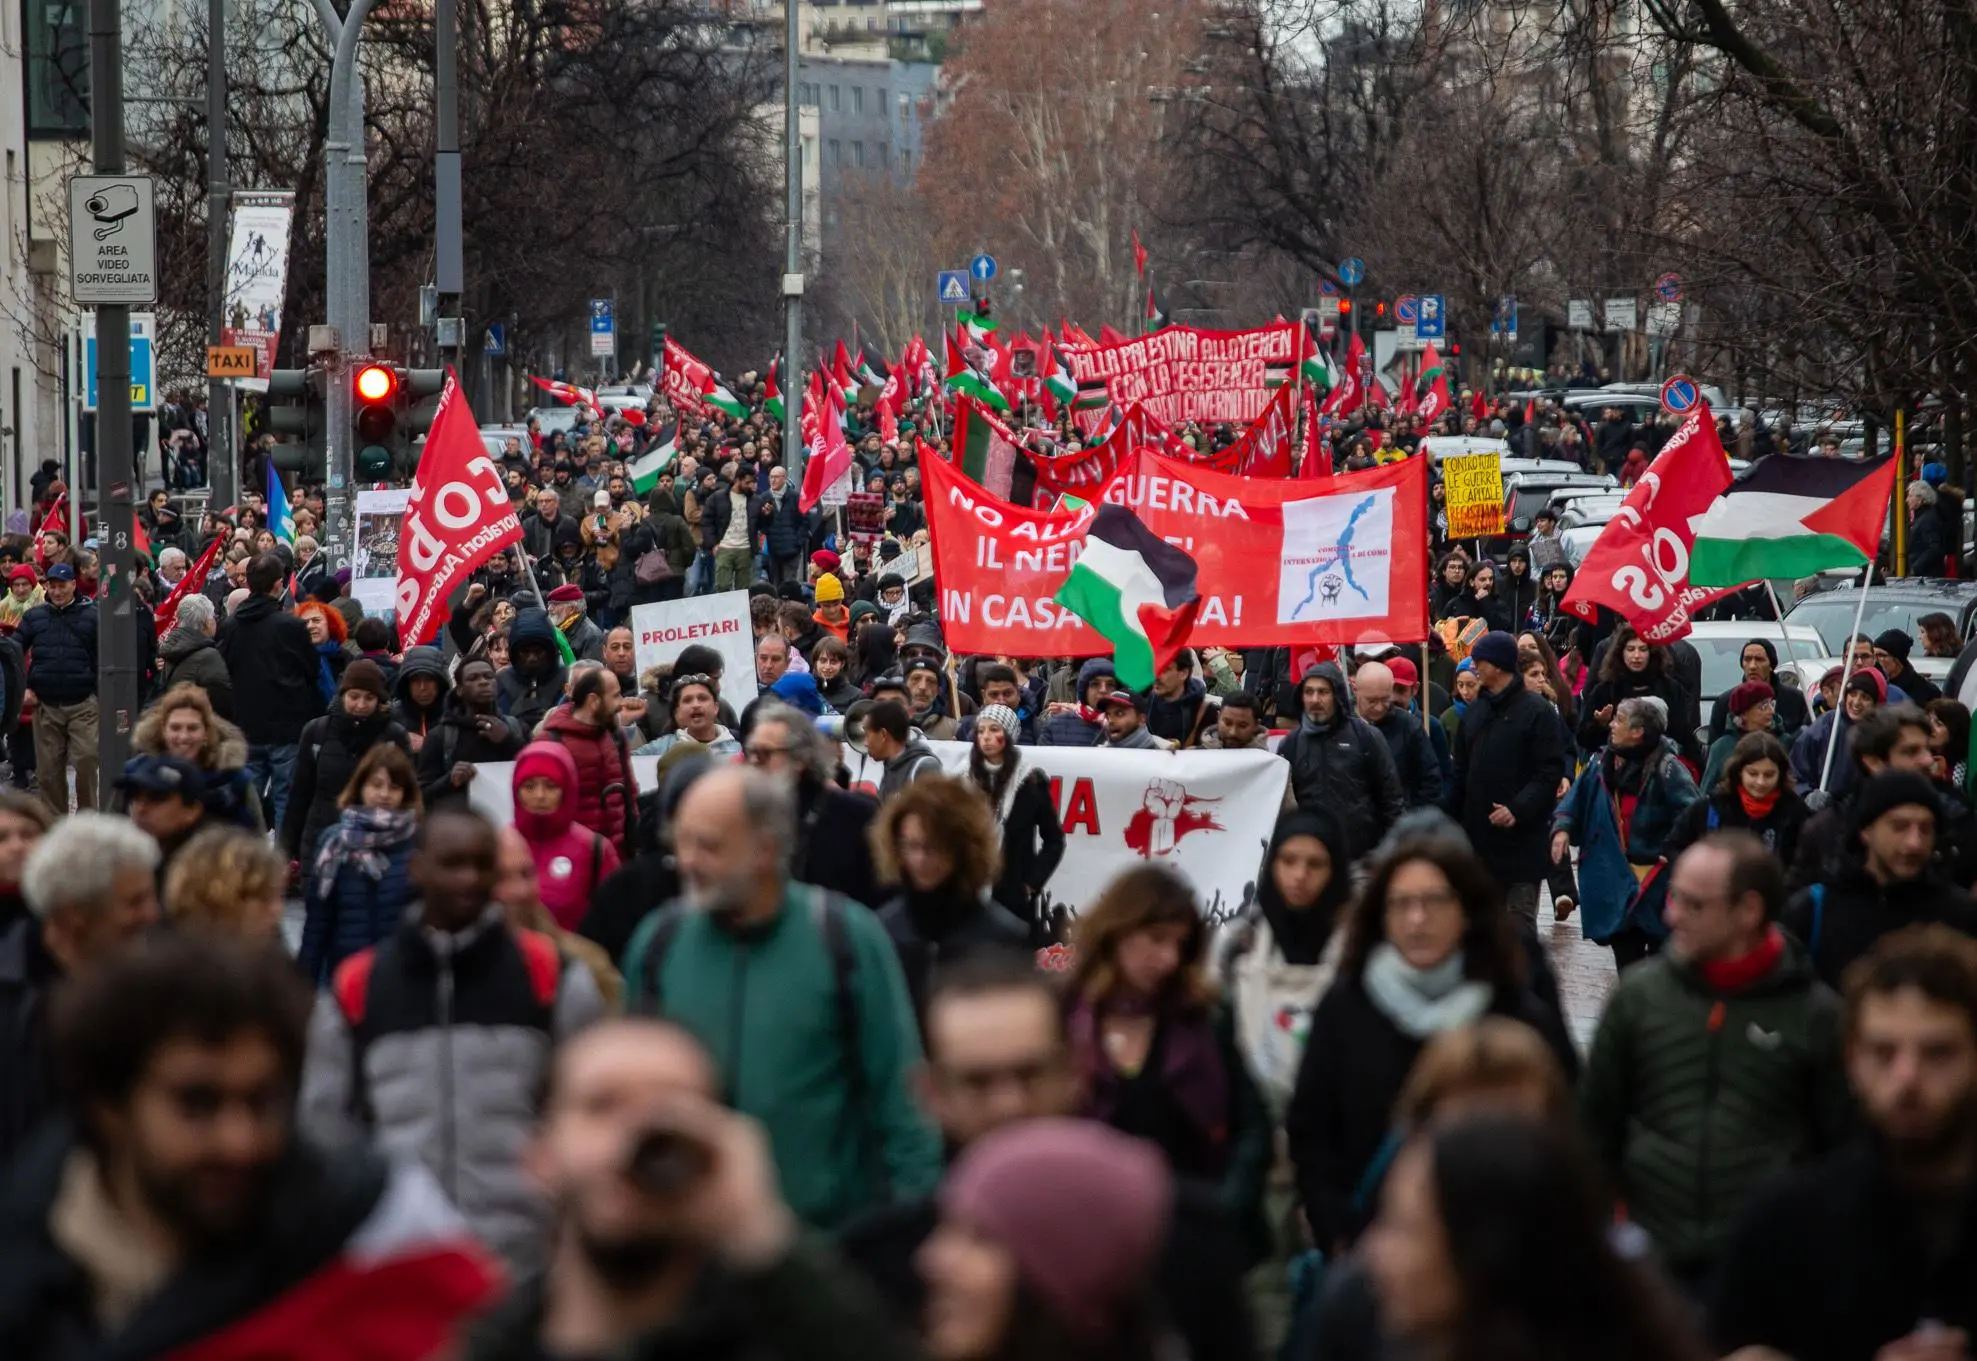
(854, 726)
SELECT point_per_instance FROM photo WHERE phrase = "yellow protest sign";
(1472, 486)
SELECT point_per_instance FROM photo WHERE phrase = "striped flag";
(1136, 589)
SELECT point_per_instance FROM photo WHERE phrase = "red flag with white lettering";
(457, 518)
(1639, 565)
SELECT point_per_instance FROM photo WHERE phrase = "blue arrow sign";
(951, 286)
(982, 267)
(1431, 317)
(1351, 270)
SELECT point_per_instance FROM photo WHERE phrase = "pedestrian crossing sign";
(952, 286)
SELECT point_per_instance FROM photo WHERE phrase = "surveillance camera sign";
(113, 248)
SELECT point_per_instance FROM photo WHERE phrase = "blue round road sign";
(1680, 395)
(1351, 270)
(982, 267)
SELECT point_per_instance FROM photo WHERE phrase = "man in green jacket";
(1717, 1063)
(798, 997)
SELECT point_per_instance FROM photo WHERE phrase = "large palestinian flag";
(1136, 589)
(1790, 515)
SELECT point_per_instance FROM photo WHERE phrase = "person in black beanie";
(1891, 651)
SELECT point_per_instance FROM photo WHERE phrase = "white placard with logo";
(661, 632)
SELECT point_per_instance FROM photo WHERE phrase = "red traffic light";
(1379, 309)
(1345, 307)
(376, 383)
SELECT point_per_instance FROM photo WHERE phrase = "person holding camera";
(671, 1236)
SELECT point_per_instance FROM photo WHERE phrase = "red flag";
(1108, 336)
(828, 455)
(457, 518)
(1139, 254)
(194, 578)
(1639, 565)
(1350, 394)
(1074, 334)
(1317, 458)
(565, 392)
(1478, 408)
(57, 519)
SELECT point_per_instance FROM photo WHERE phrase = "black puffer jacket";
(420, 661)
(189, 657)
(1839, 920)
(1344, 766)
(326, 757)
(1509, 750)
(61, 651)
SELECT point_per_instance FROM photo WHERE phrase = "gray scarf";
(1423, 1002)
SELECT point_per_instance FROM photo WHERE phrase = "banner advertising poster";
(257, 276)
(374, 564)
(1182, 374)
(1207, 814)
(661, 631)
(1349, 556)
(1473, 487)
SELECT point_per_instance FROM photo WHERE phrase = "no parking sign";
(1680, 395)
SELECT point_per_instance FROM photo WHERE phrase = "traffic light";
(376, 388)
(295, 416)
(1380, 308)
(1345, 307)
(658, 344)
(418, 396)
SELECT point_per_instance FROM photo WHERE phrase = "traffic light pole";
(346, 252)
(222, 463)
(116, 634)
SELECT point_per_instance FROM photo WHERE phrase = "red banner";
(1263, 450)
(1279, 565)
(683, 380)
(1639, 565)
(457, 518)
(1183, 374)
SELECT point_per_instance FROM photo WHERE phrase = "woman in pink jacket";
(570, 859)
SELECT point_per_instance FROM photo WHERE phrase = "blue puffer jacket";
(1611, 895)
(357, 914)
(61, 651)
(1069, 730)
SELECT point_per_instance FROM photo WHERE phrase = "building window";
(905, 161)
(880, 106)
(837, 152)
(858, 154)
(57, 68)
(885, 156)
(858, 99)
(831, 95)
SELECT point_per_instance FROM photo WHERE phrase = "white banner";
(662, 631)
(1208, 814)
(374, 566)
(257, 276)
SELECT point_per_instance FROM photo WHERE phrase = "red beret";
(569, 593)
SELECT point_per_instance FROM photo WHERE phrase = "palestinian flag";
(1790, 515)
(658, 457)
(872, 367)
(965, 379)
(1158, 317)
(984, 448)
(1057, 381)
(980, 327)
(1135, 588)
(1433, 387)
(773, 398)
(1315, 366)
(716, 395)
(843, 376)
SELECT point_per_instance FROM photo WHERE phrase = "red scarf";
(1757, 810)
(1734, 975)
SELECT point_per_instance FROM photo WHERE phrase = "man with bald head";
(669, 1232)
(797, 995)
(1414, 756)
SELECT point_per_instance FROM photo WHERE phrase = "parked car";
(1898, 603)
(1720, 644)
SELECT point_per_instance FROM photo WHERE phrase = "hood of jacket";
(1093, 668)
(181, 643)
(225, 747)
(255, 607)
(424, 661)
(1342, 697)
(1302, 934)
(915, 748)
(549, 760)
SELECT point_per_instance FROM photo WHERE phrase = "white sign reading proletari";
(113, 240)
(662, 631)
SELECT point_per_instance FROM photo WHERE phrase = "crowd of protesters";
(740, 1060)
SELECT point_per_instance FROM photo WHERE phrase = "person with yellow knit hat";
(831, 615)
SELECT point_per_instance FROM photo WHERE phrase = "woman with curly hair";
(936, 840)
(1154, 1049)
(1430, 947)
(183, 724)
(230, 881)
(330, 634)
(1635, 668)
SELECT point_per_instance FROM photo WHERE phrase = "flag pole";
(1427, 607)
(1846, 673)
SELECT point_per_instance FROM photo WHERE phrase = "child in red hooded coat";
(570, 859)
